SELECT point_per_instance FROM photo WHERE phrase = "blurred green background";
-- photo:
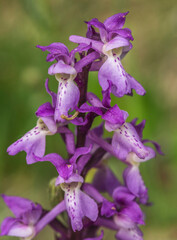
(152, 61)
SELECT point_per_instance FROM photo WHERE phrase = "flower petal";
(78, 205)
(61, 67)
(136, 85)
(96, 45)
(108, 209)
(122, 195)
(116, 42)
(7, 224)
(125, 33)
(33, 142)
(114, 118)
(88, 59)
(129, 234)
(126, 140)
(54, 158)
(17, 205)
(69, 178)
(56, 50)
(32, 216)
(21, 230)
(45, 110)
(80, 151)
(103, 33)
(113, 71)
(133, 211)
(105, 180)
(115, 22)
(135, 183)
(52, 94)
(67, 98)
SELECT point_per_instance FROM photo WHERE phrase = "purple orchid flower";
(128, 144)
(33, 142)
(113, 42)
(27, 214)
(78, 204)
(129, 216)
(65, 71)
(113, 116)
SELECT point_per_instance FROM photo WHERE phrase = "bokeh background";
(152, 61)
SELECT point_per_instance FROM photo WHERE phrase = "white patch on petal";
(20, 230)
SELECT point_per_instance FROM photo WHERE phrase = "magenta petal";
(61, 67)
(122, 195)
(79, 205)
(54, 47)
(80, 151)
(32, 216)
(89, 206)
(94, 100)
(136, 85)
(135, 183)
(45, 110)
(84, 108)
(133, 211)
(125, 32)
(115, 22)
(33, 142)
(103, 33)
(156, 145)
(105, 181)
(88, 59)
(52, 94)
(67, 98)
(7, 224)
(96, 45)
(129, 234)
(13, 227)
(115, 116)
(116, 42)
(126, 140)
(54, 158)
(108, 209)
(20, 205)
(139, 127)
(79, 49)
(113, 71)
(73, 178)
(82, 161)
(56, 51)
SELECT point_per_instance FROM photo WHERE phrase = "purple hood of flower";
(26, 214)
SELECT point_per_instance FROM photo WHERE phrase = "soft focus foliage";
(26, 23)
